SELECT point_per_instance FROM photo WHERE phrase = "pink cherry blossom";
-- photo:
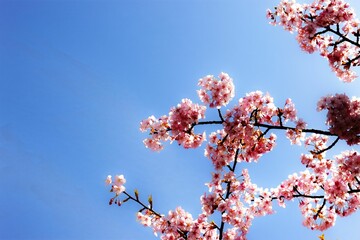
(181, 120)
(327, 188)
(343, 116)
(117, 184)
(158, 129)
(215, 92)
(108, 180)
(329, 27)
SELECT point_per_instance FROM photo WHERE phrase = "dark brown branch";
(235, 160)
(280, 113)
(308, 196)
(281, 127)
(228, 192)
(327, 133)
(209, 122)
(357, 180)
(320, 209)
(353, 60)
(263, 134)
(312, 196)
(342, 38)
(338, 33)
(329, 147)
(221, 229)
(203, 123)
(220, 116)
(321, 32)
(257, 124)
(141, 204)
(354, 191)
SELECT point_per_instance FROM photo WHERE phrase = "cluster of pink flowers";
(171, 226)
(215, 92)
(178, 224)
(317, 141)
(296, 136)
(159, 131)
(304, 182)
(220, 154)
(317, 217)
(182, 118)
(304, 185)
(343, 116)
(349, 163)
(326, 189)
(326, 26)
(239, 126)
(345, 180)
(241, 205)
(336, 179)
(117, 185)
(180, 122)
(289, 111)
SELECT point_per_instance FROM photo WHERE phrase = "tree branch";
(327, 133)
(181, 232)
(220, 115)
(329, 147)
(312, 196)
(338, 33)
(320, 209)
(228, 192)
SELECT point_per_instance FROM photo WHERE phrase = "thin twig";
(320, 209)
(181, 232)
(220, 115)
(329, 147)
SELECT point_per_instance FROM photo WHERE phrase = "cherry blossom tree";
(328, 188)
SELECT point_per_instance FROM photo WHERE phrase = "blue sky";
(77, 77)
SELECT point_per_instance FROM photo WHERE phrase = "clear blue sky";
(77, 77)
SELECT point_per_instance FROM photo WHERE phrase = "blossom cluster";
(240, 130)
(343, 116)
(296, 136)
(178, 224)
(182, 118)
(239, 201)
(328, 188)
(180, 122)
(159, 131)
(234, 199)
(215, 92)
(336, 179)
(329, 27)
(117, 185)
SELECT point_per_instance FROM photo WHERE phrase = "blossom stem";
(228, 192)
(220, 116)
(321, 208)
(181, 232)
(329, 147)
(312, 196)
(143, 205)
(327, 133)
